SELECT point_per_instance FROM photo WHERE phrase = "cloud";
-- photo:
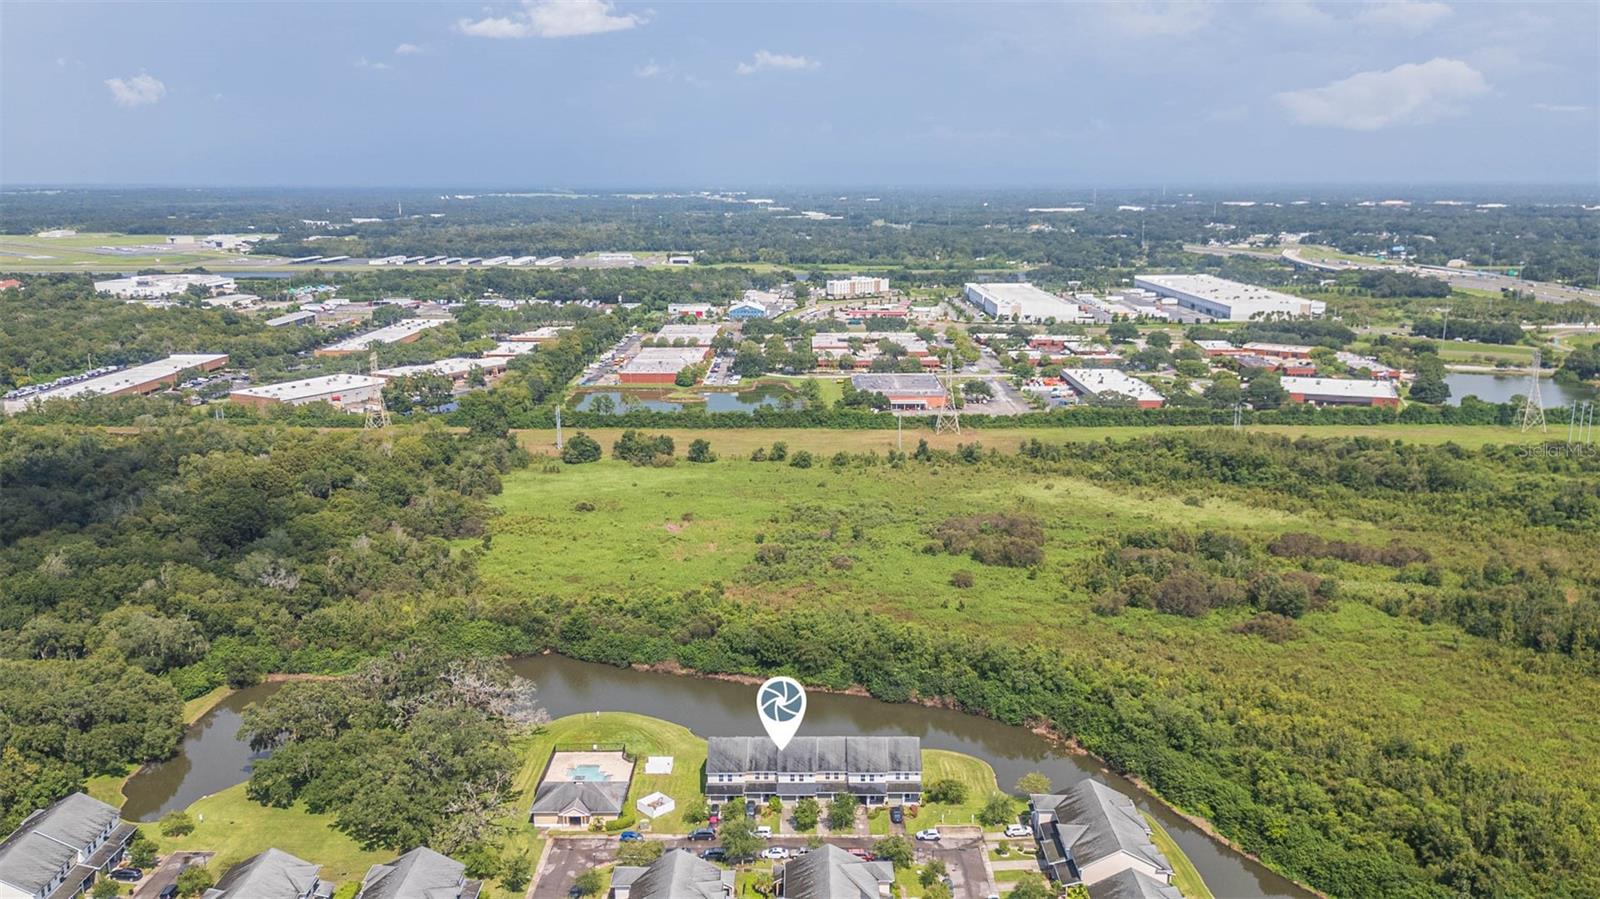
(765, 59)
(650, 70)
(364, 63)
(552, 18)
(1409, 16)
(140, 90)
(1560, 107)
(407, 50)
(1145, 19)
(1299, 14)
(1408, 94)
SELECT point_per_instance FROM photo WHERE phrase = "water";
(212, 758)
(715, 400)
(1501, 388)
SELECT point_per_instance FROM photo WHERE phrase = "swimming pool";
(587, 772)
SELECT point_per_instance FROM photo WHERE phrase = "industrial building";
(1227, 300)
(292, 318)
(1023, 303)
(660, 365)
(905, 392)
(351, 393)
(146, 378)
(149, 287)
(1280, 350)
(692, 335)
(457, 368)
(507, 349)
(1342, 392)
(1097, 381)
(692, 310)
(404, 331)
(1377, 369)
(546, 334)
(857, 286)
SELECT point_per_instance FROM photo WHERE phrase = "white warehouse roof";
(1025, 301)
(1109, 380)
(1343, 388)
(387, 334)
(454, 367)
(117, 381)
(308, 388)
(1231, 300)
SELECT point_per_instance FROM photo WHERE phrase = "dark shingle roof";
(829, 872)
(273, 874)
(419, 874)
(594, 797)
(50, 838)
(736, 755)
(677, 874)
(1094, 822)
(1131, 884)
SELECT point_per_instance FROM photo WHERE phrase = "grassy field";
(1184, 875)
(975, 773)
(85, 252)
(1471, 351)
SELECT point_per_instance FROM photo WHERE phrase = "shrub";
(947, 790)
(643, 449)
(700, 451)
(176, 824)
(588, 883)
(802, 459)
(1269, 626)
(807, 813)
(580, 448)
(1015, 541)
(962, 579)
(194, 880)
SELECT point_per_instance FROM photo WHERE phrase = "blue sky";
(575, 93)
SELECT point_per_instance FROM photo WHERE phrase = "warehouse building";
(660, 365)
(1342, 392)
(457, 368)
(351, 393)
(1023, 303)
(905, 392)
(546, 334)
(149, 287)
(692, 310)
(690, 335)
(1097, 381)
(292, 318)
(141, 379)
(404, 331)
(1280, 350)
(1227, 300)
(507, 349)
(853, 287)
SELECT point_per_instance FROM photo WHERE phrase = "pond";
(618, 401)
(1493, 388)
(213, 758)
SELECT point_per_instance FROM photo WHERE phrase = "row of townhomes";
(1096, 836)
(275, 874)
(827, 872)
(58, 852)
(876, 770)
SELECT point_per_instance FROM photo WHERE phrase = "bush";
(580, 448)
(802, 459)
(194, 880)
(176, 824)
(643, 449)
(700, 451)
(807, 813)
(1014, 541)
(516, 873)
(962, 579)
(948, 791)
(1269, 626)
(588, 883)
(105, 888)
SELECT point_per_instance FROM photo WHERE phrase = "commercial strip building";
(1097, 381)
(271, 874)
(404, 331)
(1377, 369)
(1280, 350)
(146, 378)
(150, 287)
(1023, 303)
(906, 393)
(856, 286)
(1091, 833)
(829, 872)
(1342, 391)
(1227, 300)
(57, 852)
(660, 365)
(352, 393)
(876, 770)
(692, 310)
(677, 874)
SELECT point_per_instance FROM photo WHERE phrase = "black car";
(126, 875)
(704, 833)
(750, 808)
(170, 891)
(897, 814)
(714, 854)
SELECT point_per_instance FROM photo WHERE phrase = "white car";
(777, 853)
(1018, 830)
(928, 835)
(764, 832)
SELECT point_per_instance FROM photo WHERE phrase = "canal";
(212, 757)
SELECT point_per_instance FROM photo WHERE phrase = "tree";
(643, 449)
(700, 451)
(896, 850)
(141, 851)
(588, 883)
(774, 805)
(105, 888)
(802, 459)
(580, 448)
(1030, 886)
(516, 872)
(842, 811)
(948, 791)
(739, 839)
(176, 824)
(194, 880)
(997, 810)
(806, 813)
(1429, 386)
(639, 853)
(1265, 391)
(1033, 782)
(931, 873)
(695, 811)
(1160, 339)
(1122, 332)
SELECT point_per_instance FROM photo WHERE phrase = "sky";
(590, 93)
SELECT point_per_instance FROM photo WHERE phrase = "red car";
(863, 854)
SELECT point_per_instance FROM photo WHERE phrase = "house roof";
(50, 838)
(1093, 821)
(587, 796)
(677, 874)
(829, 872)
(1131, 884)
(273, 874)
(736, 755)
(419, 874)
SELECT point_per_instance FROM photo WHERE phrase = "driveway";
(963, 860)
(167, 873)
(567, 858)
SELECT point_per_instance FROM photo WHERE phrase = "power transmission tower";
(949, 417)
(1580, 423)
(378, 416)
(1533, 405)
(558, 426)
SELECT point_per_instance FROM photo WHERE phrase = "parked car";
(777, 853)
(764, 832)
(714, 854)
(1018, 830)
(928, 835)
(170, 891)
(863, 854)
(704, 833)
(633, 836)
(127, 875)
(897, 814)
(750, 808)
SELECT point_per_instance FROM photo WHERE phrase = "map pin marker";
(781, 702)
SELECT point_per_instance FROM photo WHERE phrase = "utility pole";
(558, 426)
(899, 433)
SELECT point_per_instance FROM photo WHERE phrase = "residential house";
(56, 852)
(876, 770)
(829, 872)
(1091, 832)
(419, 874)
(677, 874)
(1131, 884)
(272, 874)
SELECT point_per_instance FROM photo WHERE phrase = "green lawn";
(1184, 875)
(1468, 351)
(975, 773)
